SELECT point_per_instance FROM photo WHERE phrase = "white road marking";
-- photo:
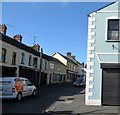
(68, 101)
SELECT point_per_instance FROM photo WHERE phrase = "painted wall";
(10, 49)
(60, 58)
(99, 51)
(56, 69)
(26, 61)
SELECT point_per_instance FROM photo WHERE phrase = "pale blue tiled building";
(103, 53)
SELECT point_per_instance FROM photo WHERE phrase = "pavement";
(76, 105)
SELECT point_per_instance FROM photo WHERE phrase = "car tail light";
(13, 89)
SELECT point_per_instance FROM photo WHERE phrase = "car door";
(24, 92)
(29, 87)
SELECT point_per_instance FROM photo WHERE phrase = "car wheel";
(34, 93)
(19, 96)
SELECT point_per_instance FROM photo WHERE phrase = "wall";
(10, 49)
(60, 58)
(56, 69)
(99, 51)
(26, 61)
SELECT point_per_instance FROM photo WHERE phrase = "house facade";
(17, 59)
(20, 60)
(72, 70)
(103, 52)
(56, 71)
(80, 66)
(44, 70)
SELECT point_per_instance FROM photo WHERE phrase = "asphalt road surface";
(47, 95)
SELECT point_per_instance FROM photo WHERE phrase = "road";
(47, 97)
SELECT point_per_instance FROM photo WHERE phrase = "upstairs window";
(35, 62)
(51, 66)
(113, 29)
(3, 57)
(45, 65)
(30, 60)
(13, 58)
(22, 58)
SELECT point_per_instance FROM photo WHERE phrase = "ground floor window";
(60, 78)
(54, 77)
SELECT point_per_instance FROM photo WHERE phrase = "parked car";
(83, 83)
(16, 87)
(79, 83)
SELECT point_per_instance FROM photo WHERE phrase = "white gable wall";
(60, 58)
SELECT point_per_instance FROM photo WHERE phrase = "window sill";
(112, 40)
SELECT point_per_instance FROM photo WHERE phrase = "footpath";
(76, 105)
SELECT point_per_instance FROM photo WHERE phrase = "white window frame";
(1, 57)
(106, 28)
(51, 65)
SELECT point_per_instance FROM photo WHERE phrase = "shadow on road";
(47, 95)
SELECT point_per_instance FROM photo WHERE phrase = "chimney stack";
(36, 47)
(68, 54)
(3, 28)
(18, 38)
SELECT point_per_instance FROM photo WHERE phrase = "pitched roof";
(103, 7)
(68, 59)
(50, 58)
(15, 43)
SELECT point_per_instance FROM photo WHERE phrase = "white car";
(16, 87)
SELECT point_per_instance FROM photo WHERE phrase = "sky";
(56, 26)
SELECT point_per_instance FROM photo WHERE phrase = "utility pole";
(41, 52)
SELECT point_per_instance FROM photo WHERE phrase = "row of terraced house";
(20, 60)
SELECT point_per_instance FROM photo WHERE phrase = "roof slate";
(17, 44)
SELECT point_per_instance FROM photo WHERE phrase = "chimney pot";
(36, 47)
(18, 38)
(3, 28)
(68, 54)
